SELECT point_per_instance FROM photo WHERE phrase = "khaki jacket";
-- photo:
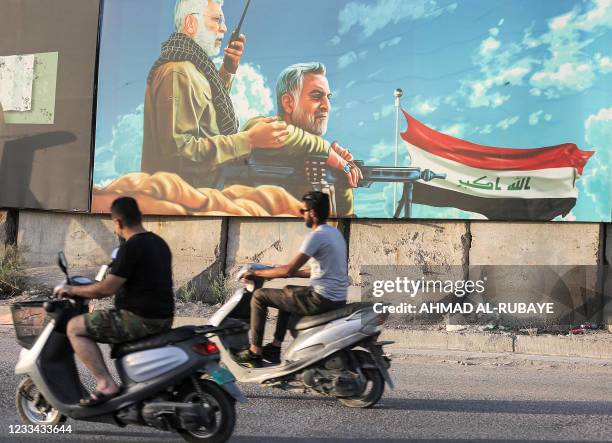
(181, 134)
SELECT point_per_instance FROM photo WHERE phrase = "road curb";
(594, 345)
(454, 341)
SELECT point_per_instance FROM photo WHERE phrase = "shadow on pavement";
(482, 406)
(385, 440)
(501, 406)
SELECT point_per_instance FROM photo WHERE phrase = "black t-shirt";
(145, 261)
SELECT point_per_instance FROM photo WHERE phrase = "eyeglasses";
(218, 18)
(304, 211)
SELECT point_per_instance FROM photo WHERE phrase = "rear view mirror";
(62, 262)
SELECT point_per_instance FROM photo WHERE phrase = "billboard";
(420, 108)
(47, 66)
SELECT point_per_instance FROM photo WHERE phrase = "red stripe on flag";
(490, 157)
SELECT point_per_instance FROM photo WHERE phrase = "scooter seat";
(310, 321)
(153, 341)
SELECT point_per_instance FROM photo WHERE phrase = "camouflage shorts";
(118, 326)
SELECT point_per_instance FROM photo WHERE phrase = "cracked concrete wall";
(197, 244)
(395, 242)
(417, 249)
(540, 262)
(268, 241)
(206, 246)
(8, 229)
(86, 240)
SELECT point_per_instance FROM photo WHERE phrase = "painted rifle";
(314, 174)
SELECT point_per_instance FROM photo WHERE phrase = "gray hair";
(184, 8)
(291, 80)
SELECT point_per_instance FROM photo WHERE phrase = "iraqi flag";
(499, 183)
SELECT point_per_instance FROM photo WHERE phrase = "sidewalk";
(596, 345)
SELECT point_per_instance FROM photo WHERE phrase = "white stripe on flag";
(537, 183)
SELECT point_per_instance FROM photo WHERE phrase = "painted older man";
(304, 102)
(190, 126)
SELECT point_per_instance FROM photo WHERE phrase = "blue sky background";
(513, 73)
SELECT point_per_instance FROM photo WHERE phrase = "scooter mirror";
(62, 262)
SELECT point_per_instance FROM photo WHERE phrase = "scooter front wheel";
(372, 392)
(33, 408)
(224, 412)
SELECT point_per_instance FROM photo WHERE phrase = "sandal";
(97, 398)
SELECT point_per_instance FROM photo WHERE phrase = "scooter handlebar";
(251, 267)
(50, 306)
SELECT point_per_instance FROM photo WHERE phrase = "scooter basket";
(29, 320)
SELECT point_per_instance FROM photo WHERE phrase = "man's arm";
(106, 288)
(299, 143)
(291, 269)
(179, 109)
(231, 61)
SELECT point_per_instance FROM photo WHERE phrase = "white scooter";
(170, 381)
(335, 353)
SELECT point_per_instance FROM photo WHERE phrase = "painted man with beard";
(303, 99)
(190, 126)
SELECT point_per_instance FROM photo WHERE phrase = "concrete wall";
(272, 241)
(8, 228)
(3, 228)
(527, 262)
(197, 244)
(414, 250)
(535, 243)
(203, 247)
(389, 242)
(269, 241)
(87, 240)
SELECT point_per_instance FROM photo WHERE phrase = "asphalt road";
(441, 398)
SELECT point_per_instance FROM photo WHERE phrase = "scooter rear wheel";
(374, 389)
(223, 407)
(32, 407)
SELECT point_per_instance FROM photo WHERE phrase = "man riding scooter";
(328, 282)
(141, 276)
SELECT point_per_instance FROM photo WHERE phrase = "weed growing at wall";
(12, 277)
(219, 286)
(189, 293)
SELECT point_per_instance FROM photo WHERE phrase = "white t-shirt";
(329, 269)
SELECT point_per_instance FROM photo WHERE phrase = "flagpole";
(398, 96)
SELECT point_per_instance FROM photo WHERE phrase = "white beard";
(309, 122)
(207, 41)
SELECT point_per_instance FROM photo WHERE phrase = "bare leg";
(89, 353)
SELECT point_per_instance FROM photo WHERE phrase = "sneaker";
(249, 359)
(271, 353)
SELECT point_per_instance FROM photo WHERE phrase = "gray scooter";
(335, 353)
(170, 381)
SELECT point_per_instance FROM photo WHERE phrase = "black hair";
(319, 202)
(126, 210)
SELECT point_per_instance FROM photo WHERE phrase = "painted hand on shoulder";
(268, 133)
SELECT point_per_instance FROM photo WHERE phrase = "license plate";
(223, 376)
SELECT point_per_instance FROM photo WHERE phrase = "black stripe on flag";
(516, 209)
